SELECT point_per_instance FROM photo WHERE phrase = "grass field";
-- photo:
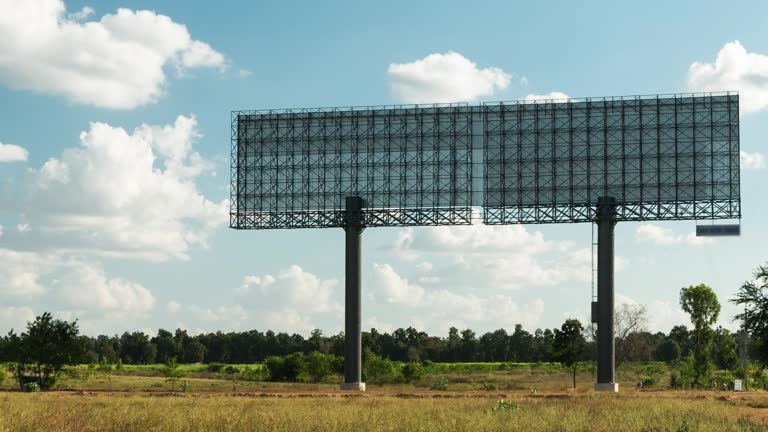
(541, 400)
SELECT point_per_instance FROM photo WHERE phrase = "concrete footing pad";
(358, 386)
(607, 387)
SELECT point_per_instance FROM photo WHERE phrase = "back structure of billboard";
(661, 157)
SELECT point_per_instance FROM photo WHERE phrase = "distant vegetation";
(41, 353)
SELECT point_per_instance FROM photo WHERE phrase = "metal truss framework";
(670, 157)
(662, 158)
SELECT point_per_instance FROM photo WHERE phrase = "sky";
(115, 146)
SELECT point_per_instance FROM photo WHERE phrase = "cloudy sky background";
(114, 159)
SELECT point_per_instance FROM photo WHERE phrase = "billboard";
(661, 157)
(295, 168)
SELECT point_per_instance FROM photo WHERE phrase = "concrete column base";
(358, 386)
(607, 387)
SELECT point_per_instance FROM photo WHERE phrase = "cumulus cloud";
(70, 283)
(735, 68)
(121, 194)
(173, 306)
(12, 153)
(117, 62)
(15, 317)
(448, 77)
(665, 236)
(754, 160)
(436, 307)
(291, 300)
(555, 95)
(87, 286)
(505, 256)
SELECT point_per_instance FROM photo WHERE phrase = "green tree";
(319, 365)
(724, 350)
(700, 302)
(668, 351)
(752, 296)
(48, 346)
(570, 344)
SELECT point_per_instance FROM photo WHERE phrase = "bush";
(412, 371)
(649, 381)
(215, 367)
(3, 376)
(287, 368)
(379, 370)
(231, 370)
(258, 374)
(440, 384)
(489, 387)
(319, 365)
(682, 375)
(31, 387)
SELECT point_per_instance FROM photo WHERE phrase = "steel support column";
(606, 220)
(352, 302)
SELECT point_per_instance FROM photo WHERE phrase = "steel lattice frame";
(672, 157)
(294, 168)
(662, 158)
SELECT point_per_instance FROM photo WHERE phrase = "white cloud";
(82, 14)
(117, 62)
(503, 256)
(290, 301)
(20, 273)
(22, 228)
(448, 77)
(752, 160)
(734, 69)
(16, 318)
(122, 194)
(86, 286)
(395, 288)
(173, 306)
(665, 236)
(12, 153)
(434, 308)
(555, 95)
(230, 314)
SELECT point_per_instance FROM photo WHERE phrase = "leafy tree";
(319, 365)
(700, 302)
(194, 351)
(668, 351)
(724, 350)
(570, 344)
(48, 346)
(753, 297)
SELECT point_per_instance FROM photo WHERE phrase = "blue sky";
(115, 159)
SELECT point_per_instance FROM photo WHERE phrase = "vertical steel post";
(352, 301)
(606, 220)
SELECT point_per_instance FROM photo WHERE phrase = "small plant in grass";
(185, 386)
(440, 384)
(31, 387)
(171, 370)
(534, 390)
(119, 364)
(505, 406)
(489, 386)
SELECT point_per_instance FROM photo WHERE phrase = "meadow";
(537, 397)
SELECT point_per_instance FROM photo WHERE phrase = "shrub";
(287, 368)
(440, 384)
(379, 370)
(231, 370)
(682, 376)
(119, 364)
(412, 371)
(649, 381)
(170, 370)
(505, 406)
(31, 387)
(185, 386)
(3, 376)
(319, 365)
(489, 387)
(215, 367)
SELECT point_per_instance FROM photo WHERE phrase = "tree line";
(702, 347)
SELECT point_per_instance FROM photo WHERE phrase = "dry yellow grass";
(72, 411)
